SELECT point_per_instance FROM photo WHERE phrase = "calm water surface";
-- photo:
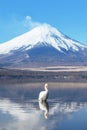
(65, 109)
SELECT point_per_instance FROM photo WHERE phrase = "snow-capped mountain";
(42, 46)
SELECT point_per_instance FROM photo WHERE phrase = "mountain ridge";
(42, 46)
(43, 33)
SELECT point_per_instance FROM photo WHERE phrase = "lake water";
(65, 109)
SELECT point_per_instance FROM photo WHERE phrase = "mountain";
(42, 46)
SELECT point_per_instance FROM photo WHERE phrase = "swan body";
(43, 95)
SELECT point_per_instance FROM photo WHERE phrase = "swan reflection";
(43, 105)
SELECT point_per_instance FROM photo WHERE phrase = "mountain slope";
(42, 46)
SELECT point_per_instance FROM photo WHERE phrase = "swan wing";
(43, 95)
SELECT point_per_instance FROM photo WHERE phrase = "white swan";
(44, 94)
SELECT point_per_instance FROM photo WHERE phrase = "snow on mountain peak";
(44, 33)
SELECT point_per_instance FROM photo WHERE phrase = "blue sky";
(19, 16)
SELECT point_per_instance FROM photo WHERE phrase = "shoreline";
(51, 85)
(25, 76)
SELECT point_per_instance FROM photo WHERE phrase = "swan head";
(46, 85)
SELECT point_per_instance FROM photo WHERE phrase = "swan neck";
(46, 89)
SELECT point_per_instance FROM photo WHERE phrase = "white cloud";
(15, 26)
(28, 17)
(29, 23)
